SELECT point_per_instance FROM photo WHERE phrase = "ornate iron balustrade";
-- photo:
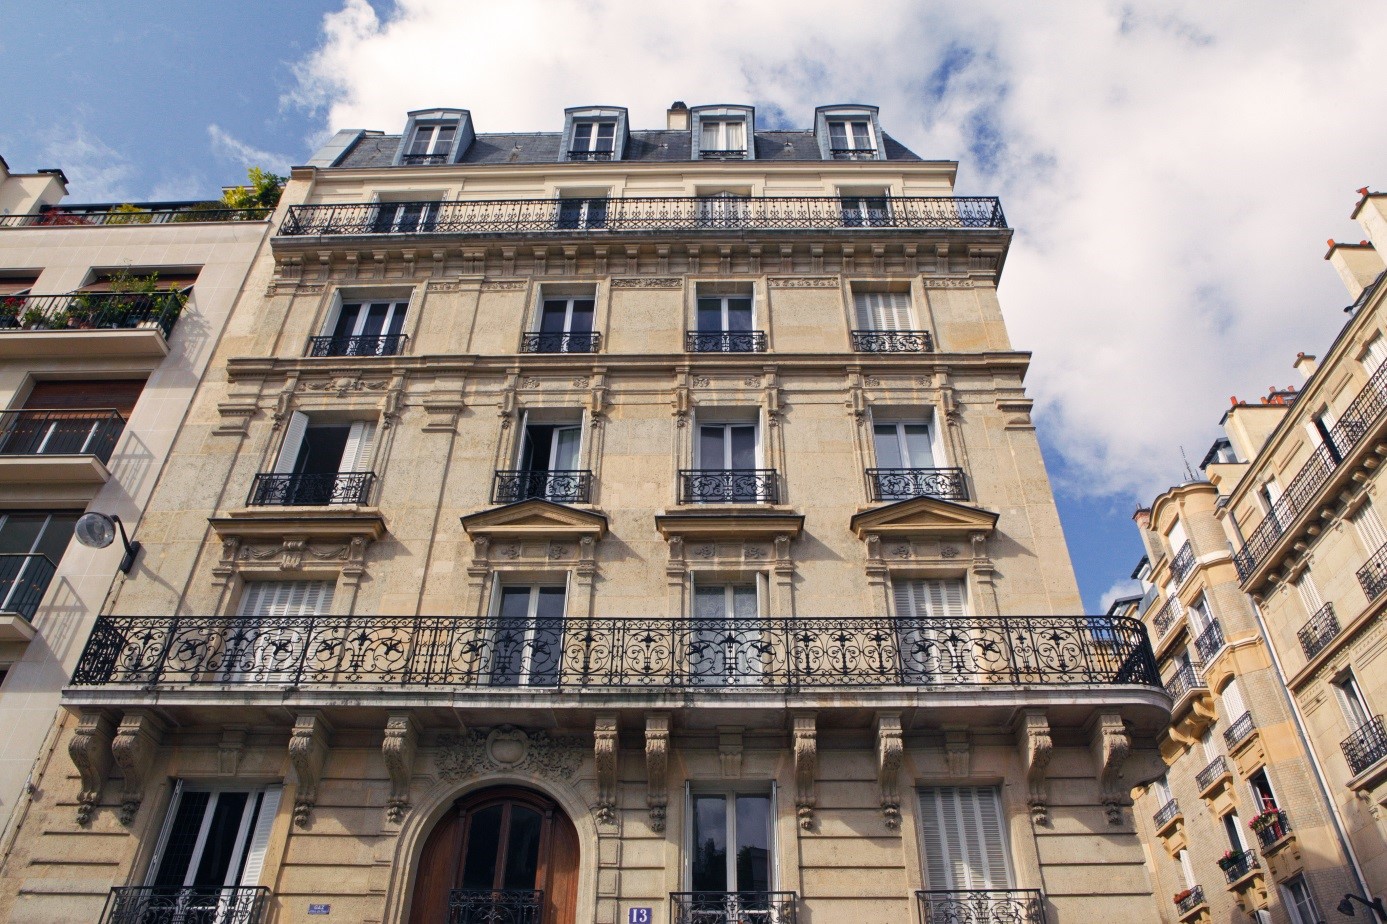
(892, 341)
(1215, 769)
(91, 311)
(853, 153)
(1193, 900)
(1372, 577)
(1165, 617)
(736, 154)
(902, 483)
(745, 341)
(734, 907)
(316, 490)
(541, 342)
(1210, 642)
(728, 486)
(655, 215)
(589, 155)
(423, 160)
(69, 216)
(1358, 420)
(650, 653)
(1183, 563)
(1184, 680)
(1366, 746)
(186, 905)
(24, 579)
(1238, 732)
(1239, 865)
(981, 906)
(1318, 631)
(34, 432)
(495, 906)
(1166, 813)
(1271, 826)
(562, 486)
(378, 345)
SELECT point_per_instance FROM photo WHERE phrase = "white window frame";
(885, 310)
(568, 301)
(900, 423)
(592, 128)
(853, 142)
(988, 882)
(729, 794)
(1352, 703)
(499, 585)
(357, 454)
(398, 306)
(723, 298)
(1304, 911)
(721, 126)
(251, 839)
(726, 424)
(435, 133)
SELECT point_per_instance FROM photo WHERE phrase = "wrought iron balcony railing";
(589, 155)
(1184, 680)
(156, 214)
(186, 905)
(1183, 563)
(728, 486)
(892, 341)
(1166, 813)
(423, 160)
(1318, 631)
(540, 342)
(746, 341)
(1215, 769)
(1191, 901)
(1239, 865)
(1271, 826)
(495, 906)
(562, 486)
(734, 154)
(772, 655)
(734, 907)
(24, 579)
(1165, 617)
(33, 432)
(656, 215)
(91, 311)
(378, 345)
(1372, 577)
(981, 906)
(853, 153)
(892, 484)
(1360, 418)
(1366, 746)
(1238, 732)
(1209, 642)
(316, 490)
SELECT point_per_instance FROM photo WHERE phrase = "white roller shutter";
(945, 597)
(1233, 706)
(268, 599)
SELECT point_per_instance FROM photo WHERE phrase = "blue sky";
(1172, 170)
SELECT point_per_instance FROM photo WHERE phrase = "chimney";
(1371, 213)
(1143, 517)
(1304, 364)
(1357, 264)
(677, 118)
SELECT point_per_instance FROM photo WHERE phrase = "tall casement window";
(963, 838)
(268, 642)
(1351, 700)
(727, 465)
(320, 462)
(905, 462)
(405, 217)
(364, 328)
(527, 644)
(579, 211)
(547, 463)
(1368, 524)
(884, 323)
(565, 325)
(1374, 354)
(928, 615)
(724, 208)
(866, 208)
(431, 144)
(1296, 896)
(32, 542)
(730, 851)
(850, 139)
(593, 140)
(725, 322)
(726, 631)
(722, 138)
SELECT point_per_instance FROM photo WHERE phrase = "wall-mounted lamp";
(98, 530)
(1345, 906)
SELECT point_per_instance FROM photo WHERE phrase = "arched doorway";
(499, 856)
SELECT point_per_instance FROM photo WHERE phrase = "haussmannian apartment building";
(1264, 594)
(605, 525)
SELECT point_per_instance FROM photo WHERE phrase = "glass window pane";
(709, 140)
(753, 844)
(917, 446)
(178, 850)
(219, 851)
(711, 442)
(606, 131)
(20, 532)
(739, 314)
(515, 603)
(444, 139)
(743, 447)
(710, 315)
(551, 603)
(736, 136)
(483, 839)
(522, 849)
(555, 313)
(744, 601)
(837, 135)
(862, 138)
(346, 320)
(566, 448)
(710, 602)
(581, 322)
(708, 860)
(56, 535)
(888, 446)
(582, 136)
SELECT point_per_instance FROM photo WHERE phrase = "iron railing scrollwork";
(853, 153)
(311, 490)
(24, 579)
(728, 486)
(74, 216)
(1366, 746)
(742, 341)
(1166, 813)
(542, 342)
(1237, 733)
(186, 905)
(495, 906)
(1209, 642)
(1184, 680)
(1215, 769)
(1271, 826)
(78, 431)
(732, 154)
(423, 160)
(562, 486)
(1239, 865)
(902, 483)
(1183, 563)
(1319, 630)
(1191, 901)
(734, 907)
(892, 341)
(981, 906)
(1165, 617)
(1372, 577)
(377, 345)
(771, 654)
(92, 311)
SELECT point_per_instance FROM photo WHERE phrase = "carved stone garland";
(398, 748)
(806, 766)
(133, 749)
(605, 752)
(90, 750)
(479, 751)
(1035, 746)
(1111, 744)
(890, 752)
(657, 767)
(307, 753)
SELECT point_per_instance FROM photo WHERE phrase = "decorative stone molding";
(890, 752)
(606, 749)
(947, 282)
(133, 747)
(806, 766)
(803, 282)
(398, 749)
(307, 752)
(505, 747)
(958, 751)
(1034, 746)
(730, 751)
(230, 749)
(648, 282)
(1110, 745)
(90, 750)
(657, 767)
(503, 285)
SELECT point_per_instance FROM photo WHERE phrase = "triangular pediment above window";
(535, 517)
(923, 516)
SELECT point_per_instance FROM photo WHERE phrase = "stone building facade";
(606, 525)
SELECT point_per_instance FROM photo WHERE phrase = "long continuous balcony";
(1361, 418)
(892, 484)
(1319, 630)
(734, 907)
(654, 215)
(152, 213)
(35, 432)
(495, 906)
(186, 905)
(981, 906)
(1372, 577)
(1366, 746)
(646, 653)
(562, 486)
(311, 490)
(94, 311)
(24, 579)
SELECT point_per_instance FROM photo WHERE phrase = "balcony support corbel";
(605, 751)
(890, 753)
(806, 766)
(657, 767)
(1034, 745)
(90, 750)
(1110, 745)
(133, 747)
(398, 749)
(308, 749)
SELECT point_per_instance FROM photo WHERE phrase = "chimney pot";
(1304, 364)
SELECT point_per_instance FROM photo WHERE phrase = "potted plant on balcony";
(128, 214)
(10, 309)
(33, 319)
(1267, 825)
(1229, 860)
(1178, 897)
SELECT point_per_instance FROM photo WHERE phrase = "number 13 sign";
(639, 916)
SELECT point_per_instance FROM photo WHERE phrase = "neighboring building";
(601, 526)
(96, 374)
(1273, 801)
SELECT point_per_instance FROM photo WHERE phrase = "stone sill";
(1199, 913)
(1277, 846)
(1370, 776)
(1211, 792)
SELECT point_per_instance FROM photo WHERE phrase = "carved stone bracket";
(307, 753)
(605, 751)
(657, 767)
(806, 767)
(230, 749)
(1110, 745)
(730, 751)
(398, 748)
(958, 751)
(90, 750)
(1034, 746)
(890, 752)
(133, 747)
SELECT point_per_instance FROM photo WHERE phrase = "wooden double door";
(500, 856)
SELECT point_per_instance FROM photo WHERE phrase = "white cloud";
(1123, 588)
(97, 172)
(1172, 176)
(236, 150)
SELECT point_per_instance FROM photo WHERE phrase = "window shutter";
(1376, 354)
(356, 455)
(264, 599)
(293, 442)
(1309, 593)
(1369, 527)
(944, 597)
(165, 832)
(260, 837)
(1187, 868)
(868, 310)
(1177, 537)
(1232, 702)
(964, 838)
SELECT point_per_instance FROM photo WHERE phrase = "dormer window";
(851, 139)
(723, 138)
(434, 136)
(431, 144)
(593, 140)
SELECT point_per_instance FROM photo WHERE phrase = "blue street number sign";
(639, 916)
(320, 909)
